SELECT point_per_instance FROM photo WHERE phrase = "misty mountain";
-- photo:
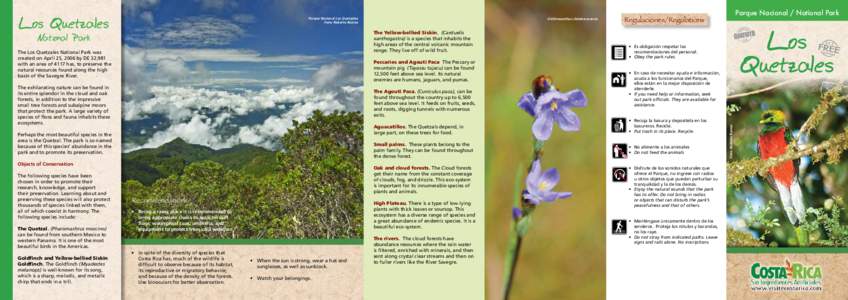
(148, 165)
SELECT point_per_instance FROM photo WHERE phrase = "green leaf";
(803, 237)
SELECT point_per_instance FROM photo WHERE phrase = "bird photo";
(783, 178)
(787, 176)
(773, 141)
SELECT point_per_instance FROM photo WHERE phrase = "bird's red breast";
(773, 144)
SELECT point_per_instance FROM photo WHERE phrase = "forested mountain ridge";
(148, 165)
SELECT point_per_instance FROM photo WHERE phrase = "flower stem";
(519, 228)
(513, 263)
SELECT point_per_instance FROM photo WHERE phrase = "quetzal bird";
(783, 178)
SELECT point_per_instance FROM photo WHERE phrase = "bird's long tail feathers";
(788, 206)
(798, 200)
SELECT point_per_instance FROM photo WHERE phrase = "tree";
(322, 166)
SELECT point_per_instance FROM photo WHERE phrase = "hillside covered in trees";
(149, 165)
(310, 189)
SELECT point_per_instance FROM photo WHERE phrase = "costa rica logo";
(787, 271)
(787, 277)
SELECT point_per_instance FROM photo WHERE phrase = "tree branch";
(829, 99)
(768, 88)
(738, 171)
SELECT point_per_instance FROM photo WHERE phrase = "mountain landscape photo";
(241, 119)
(150, 164)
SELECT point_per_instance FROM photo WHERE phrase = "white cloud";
(244, 18)
(353, 97)
(228, 72)
(133, 7)
(134, 78)
(299, 10)
(179, 103)
(199, 130)
(147, 17)
(172, 69)
(249, 135)
(242, 55)
(200, 70)
(267, 133)
(217, 4)
(227, 82)
(284, 66)
(133, 64)
(337, 74)
(224, 55)
(191, 32)
(183, 106)
(353, 89)
(343, 78)
(326, 74)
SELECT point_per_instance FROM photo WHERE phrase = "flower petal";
(516, 213)
(552, 196)
(534, 174)
(567, 119)
(546, 98)
(532, 199)
(528, 104)
(550, 178)
(563, 195)
(543, 125)
(574, 98)
(548, 196)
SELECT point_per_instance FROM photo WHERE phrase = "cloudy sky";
(224, 72)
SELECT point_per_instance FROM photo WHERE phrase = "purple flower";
(539, 185)
(555, 106)
(528, 103)
(516, 213)
(541, 84)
